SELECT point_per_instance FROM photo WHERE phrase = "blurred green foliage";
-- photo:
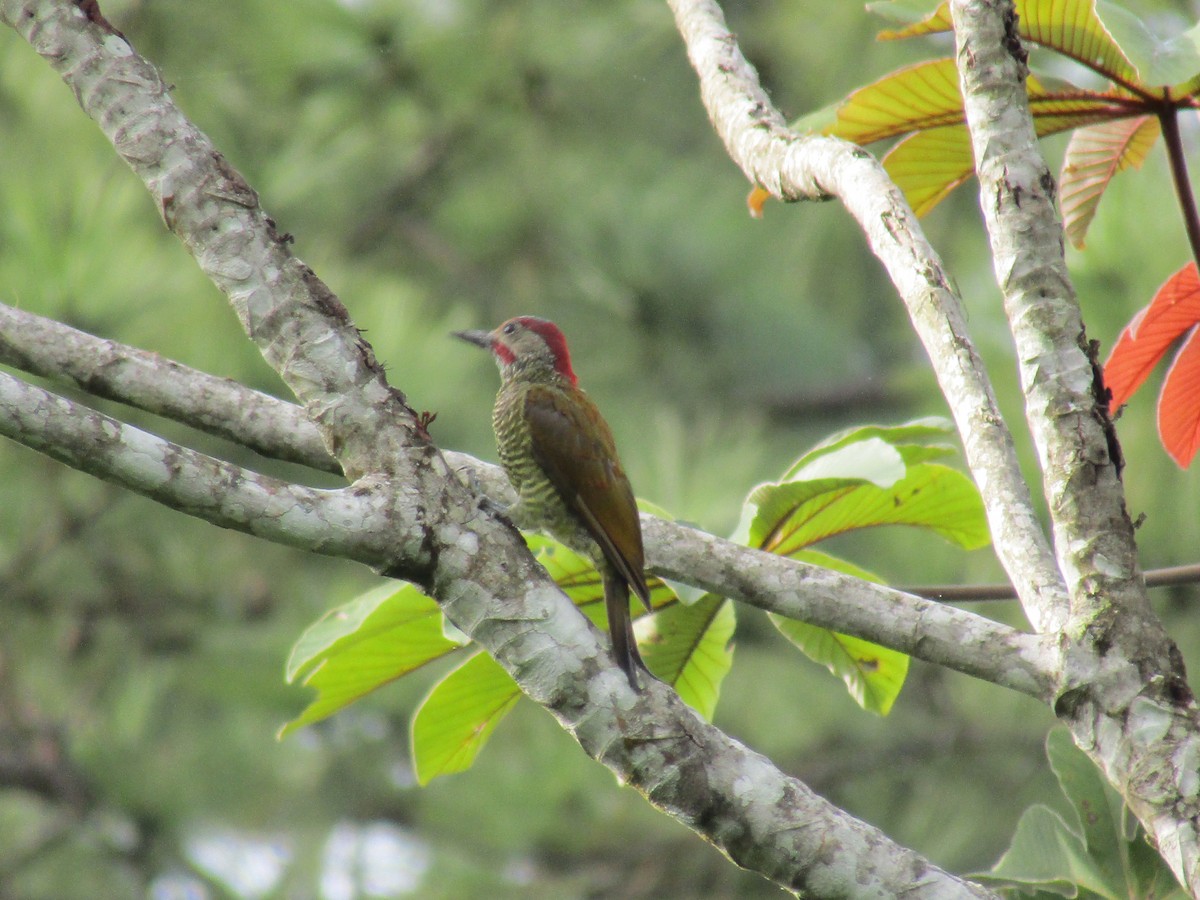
(446, 165)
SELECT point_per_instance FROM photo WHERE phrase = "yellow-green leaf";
(363, 645)
(925, 95)
(923, 101)
(928, 165)
(1070, 27)
(581, 582)
(459, 715)
(1095, 154)
(917, 17)
(793, 515)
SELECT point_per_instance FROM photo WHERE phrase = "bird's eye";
(510, 327)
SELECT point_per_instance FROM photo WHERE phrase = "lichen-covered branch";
(151, 382)
(1125, 695)
(792, 167)
(355, 525)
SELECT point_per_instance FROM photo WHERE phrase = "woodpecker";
(559, 454)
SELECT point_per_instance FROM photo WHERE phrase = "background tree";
(116, 762)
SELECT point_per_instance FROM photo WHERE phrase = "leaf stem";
(1168, 118)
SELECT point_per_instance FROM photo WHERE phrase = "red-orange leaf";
(1144, 341)
(1097, 153)
(1179, 404)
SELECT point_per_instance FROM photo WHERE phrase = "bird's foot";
(486, 504)
(498, 511)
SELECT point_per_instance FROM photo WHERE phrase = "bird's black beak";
(478, 338)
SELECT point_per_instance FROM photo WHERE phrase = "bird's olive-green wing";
(575, 448)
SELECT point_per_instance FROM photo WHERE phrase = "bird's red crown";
(554, 339)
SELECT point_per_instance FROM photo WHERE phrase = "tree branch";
(267, 425)
(354, 525)
(1126, 696)
(931, 631)
(792, 168)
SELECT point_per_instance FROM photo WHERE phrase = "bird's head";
(526, 343)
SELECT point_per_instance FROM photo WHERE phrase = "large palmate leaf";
(923, 103)
(1069, 27)
(1094, 156)
(793, 515)
(866, 477)
(459, 715)
(876, 453)
(363, 645)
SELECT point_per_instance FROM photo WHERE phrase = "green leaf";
(1094, 156)
(873, 674)
(868, 476)
(364, 644)
(1160, 62)
(1046, 853)
(873, 460)
(1095, 803)
(689, 648)
(459, 715)
(871, 454)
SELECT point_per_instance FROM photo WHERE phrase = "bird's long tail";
(620, 626)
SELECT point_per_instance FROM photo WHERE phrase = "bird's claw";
(497, 511)
(486, 504)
